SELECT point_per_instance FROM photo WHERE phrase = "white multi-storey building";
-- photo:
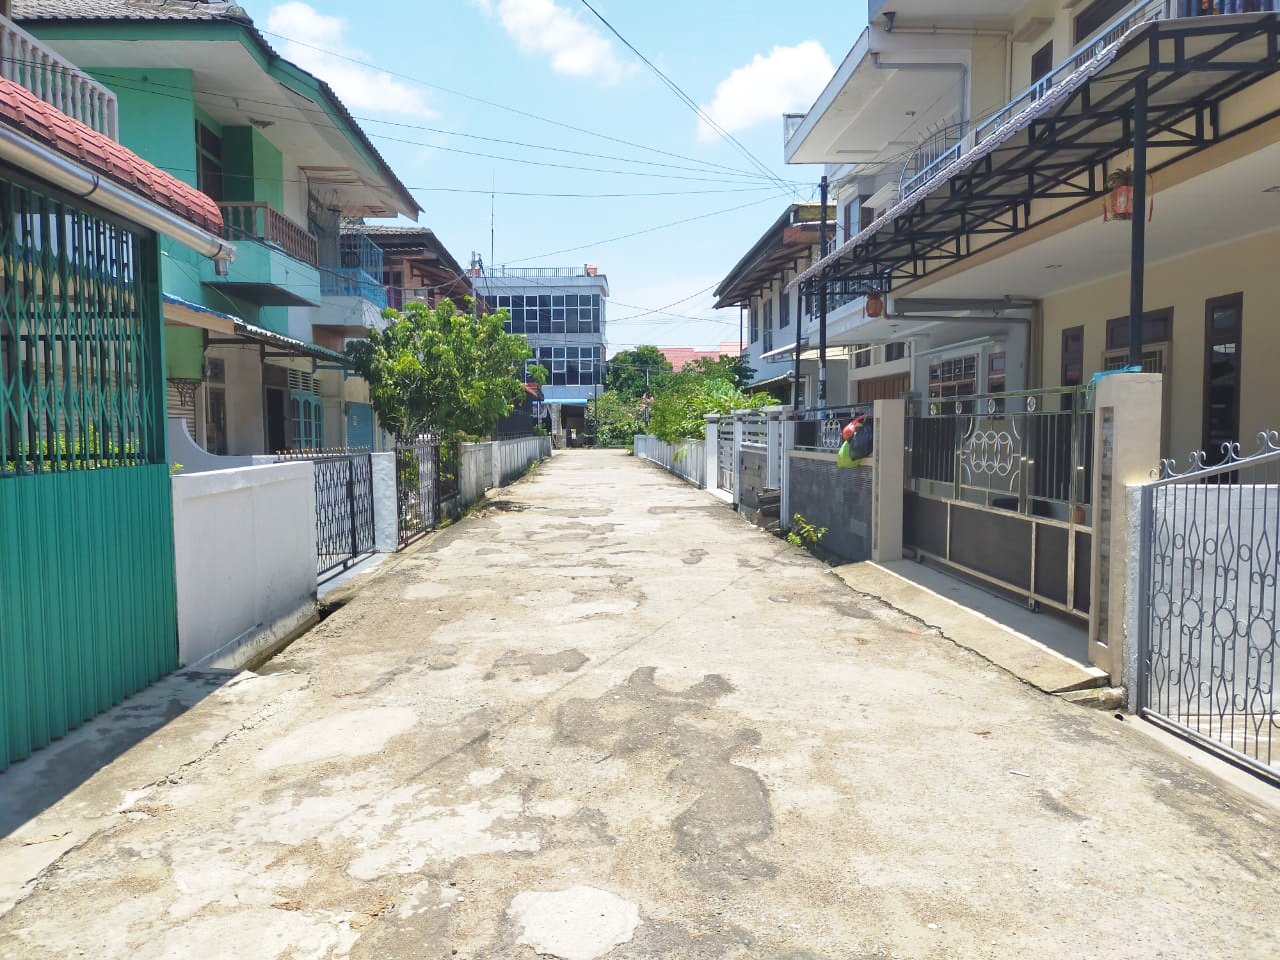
(561, 312)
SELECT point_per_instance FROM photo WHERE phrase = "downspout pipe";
(26, 154)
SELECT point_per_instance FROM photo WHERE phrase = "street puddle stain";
(538, 664)
(732, 812)
(847, 608)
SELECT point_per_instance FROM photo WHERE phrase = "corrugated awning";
(1052, 145)
(184, 313)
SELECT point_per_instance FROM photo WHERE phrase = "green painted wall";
(253, 167)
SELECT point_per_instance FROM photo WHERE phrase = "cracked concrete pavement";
(606, 717)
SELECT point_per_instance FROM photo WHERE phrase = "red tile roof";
(22, 109)
(681, 357)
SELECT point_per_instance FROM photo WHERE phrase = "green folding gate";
(87, 597)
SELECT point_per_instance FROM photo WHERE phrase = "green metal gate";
(87, 596)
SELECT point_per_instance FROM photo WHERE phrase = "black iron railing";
(417, 492)
(448, 464)
(344, 508)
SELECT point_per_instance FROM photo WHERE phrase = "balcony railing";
(258, 221)
(537, 272)
(352, 282)
(1142, 12)
(56, 80)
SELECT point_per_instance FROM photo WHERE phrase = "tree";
(633, 373)
(614, 421)
(679, 407)
(734, 369)
(440, 369)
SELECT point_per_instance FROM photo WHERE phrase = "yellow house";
(1120, 205)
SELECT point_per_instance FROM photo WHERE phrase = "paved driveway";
(605, 717)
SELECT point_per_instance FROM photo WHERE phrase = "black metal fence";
(417, 491)
(344, 508)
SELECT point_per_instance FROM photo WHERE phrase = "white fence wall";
(513, 457)
(245, 543)
(687, 459)
(496, 464)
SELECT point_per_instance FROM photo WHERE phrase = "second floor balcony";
(254, 220)
(359, 274)
(56, 80)
(276, 261)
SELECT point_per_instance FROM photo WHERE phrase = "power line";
(661, 226)
(494, 104)
(685, 98)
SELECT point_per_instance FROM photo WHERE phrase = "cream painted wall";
(244, 399)
(1248, 267)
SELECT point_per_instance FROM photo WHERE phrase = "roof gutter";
(27, 154)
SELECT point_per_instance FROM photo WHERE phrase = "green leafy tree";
(632, 373)
(614, 421)
(442, 369)
(680, 406)
(734, 369)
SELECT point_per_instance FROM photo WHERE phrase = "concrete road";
(605, 717)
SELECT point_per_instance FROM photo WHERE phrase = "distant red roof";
(22, 109)
(681, 357)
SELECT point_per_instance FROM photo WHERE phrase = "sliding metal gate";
(1207, 611)
(998, 487)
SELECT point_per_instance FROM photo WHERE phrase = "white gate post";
(786, 445)
(712, 451)
(1127, 414)
(738, 425)
(386, 505)
(887, 479)
(773, 448)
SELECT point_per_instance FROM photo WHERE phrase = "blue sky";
(745, 64)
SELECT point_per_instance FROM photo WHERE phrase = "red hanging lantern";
(1119, 203)
(875, 305)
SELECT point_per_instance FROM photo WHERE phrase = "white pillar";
(773, 448)
(737, 455)
(787, 445)
(887, 479)
(712, 451)
(1127, 418)
(386, 505)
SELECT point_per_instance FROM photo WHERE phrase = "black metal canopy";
(1063, 147)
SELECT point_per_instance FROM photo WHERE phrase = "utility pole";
(822, 300)
(493, 185)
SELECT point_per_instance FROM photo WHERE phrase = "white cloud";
(574, 47)
(361, 88)
(787, 80)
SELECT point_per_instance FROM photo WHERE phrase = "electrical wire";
(685, 98)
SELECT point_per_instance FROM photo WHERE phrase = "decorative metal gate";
(724, 456)
(999, 487)
(86, 517)
(417, 488)
(1210, 563)
(344, 508)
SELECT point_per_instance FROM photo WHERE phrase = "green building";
(254, 348)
